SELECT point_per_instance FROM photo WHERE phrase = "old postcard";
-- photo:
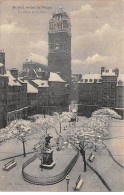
(61, 95)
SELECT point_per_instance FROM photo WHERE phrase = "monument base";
(47, 159)
(45, 166)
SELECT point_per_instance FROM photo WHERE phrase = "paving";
(103, 163)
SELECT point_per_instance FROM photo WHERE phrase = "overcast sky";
(97, 38)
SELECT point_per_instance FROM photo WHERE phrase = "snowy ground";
(103, 163)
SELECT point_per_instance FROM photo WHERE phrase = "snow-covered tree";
(64, 117)
(107, 112)
(99, 124)
(85, 138)
(18, 129)
(45, 123)
(89, 135)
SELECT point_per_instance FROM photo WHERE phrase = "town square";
(61, 96)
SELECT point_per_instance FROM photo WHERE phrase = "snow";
(109, 72)
(1, 65)
(90, 78)
(12, 80)
(20, 79)
(103, 163)
(31, 88)
(120, 80)
(37, 58)
(55, 77)
(41, 83)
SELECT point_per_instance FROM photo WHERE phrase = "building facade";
(3, 97)
(16, 97)
(101, 90)
(90, 90)
(109, 82)
(120, 91)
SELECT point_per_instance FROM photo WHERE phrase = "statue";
(46, 156)
(47, 139)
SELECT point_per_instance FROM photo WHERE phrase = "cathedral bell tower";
(59, 40)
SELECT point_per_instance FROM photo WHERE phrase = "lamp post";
(67, 180)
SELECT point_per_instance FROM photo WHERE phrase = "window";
(112, 86)
(105, 104)
(3, 97)
(3, 84)
(91, 80)
(105, 94)
(105, 86)
(86, 80)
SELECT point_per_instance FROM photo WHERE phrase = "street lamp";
(67, 180)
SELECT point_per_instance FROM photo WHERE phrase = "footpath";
(107, 168)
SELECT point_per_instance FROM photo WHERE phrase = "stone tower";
(59, 40)
(2, 57)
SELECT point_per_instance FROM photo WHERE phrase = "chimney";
(116, 71)
(102, 70)
(59, 73)
(2, 57)
(14, 72)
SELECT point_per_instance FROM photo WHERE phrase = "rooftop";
(41, 83)
(12, 80)
(55, 77)
(90, 78)
(120, 80)
(109, 72)
(31, 88)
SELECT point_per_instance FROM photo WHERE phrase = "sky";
(97, 32)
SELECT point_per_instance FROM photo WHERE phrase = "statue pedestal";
(47, 159)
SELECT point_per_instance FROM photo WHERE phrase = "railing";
(47, 180)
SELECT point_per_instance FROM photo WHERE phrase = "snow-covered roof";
(41, 83)
(37, 58)
(109, 72)
(90, 78)
(31, 88)
(1, 64)
(12, 80)
(120, 80)
(55, 77)
(20, 79)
